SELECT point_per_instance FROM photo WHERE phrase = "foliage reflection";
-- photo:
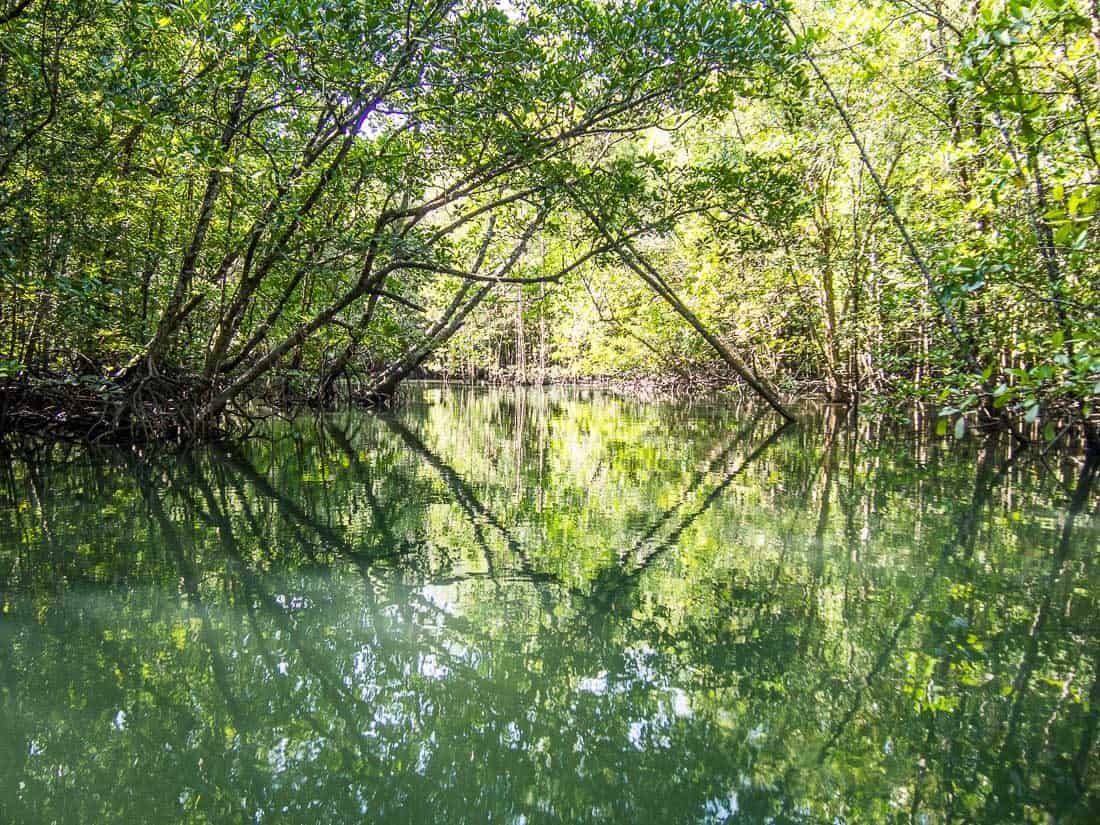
(548, 606)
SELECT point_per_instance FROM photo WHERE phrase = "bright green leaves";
(249, 156)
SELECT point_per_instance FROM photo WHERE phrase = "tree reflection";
(560, 610)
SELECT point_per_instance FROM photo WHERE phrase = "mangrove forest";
(549, 411)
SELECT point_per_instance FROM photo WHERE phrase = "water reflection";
(546, 607)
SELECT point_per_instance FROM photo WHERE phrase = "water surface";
(550, 606)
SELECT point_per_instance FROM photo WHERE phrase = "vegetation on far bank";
(202, 204)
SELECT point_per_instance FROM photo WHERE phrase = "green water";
(543, 607)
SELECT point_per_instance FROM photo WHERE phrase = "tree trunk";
(521, 341)
(652, 278)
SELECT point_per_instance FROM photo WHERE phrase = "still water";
(550, 607)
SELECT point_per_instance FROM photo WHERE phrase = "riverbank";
(168, 407)
(1060, 425)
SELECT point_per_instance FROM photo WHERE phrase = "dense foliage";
(978, 119)
(204, 202)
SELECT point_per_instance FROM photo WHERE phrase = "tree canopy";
(204, 203)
